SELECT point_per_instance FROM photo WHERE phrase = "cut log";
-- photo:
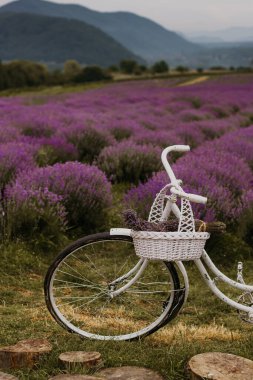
(126, 373)
(7, 376)
(75, 360)
(75, 377)
(219, 366)
(25, 353)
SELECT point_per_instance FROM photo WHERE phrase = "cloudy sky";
(180, 15)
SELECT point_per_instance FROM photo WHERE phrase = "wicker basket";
(183, 245)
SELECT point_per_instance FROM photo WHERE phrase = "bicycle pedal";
(246, 299)
(251, 317)
(240, 272)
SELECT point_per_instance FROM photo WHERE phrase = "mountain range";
(55, 40)
(53, 32)
(229, 35)
(138, 34)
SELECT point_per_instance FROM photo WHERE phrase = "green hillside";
(139, 34)
(55, 40)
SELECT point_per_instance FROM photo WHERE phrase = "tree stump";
(219, 366)
(75, 360)
(75, 377)
(127, 373)
(25, 353)
(7, 376)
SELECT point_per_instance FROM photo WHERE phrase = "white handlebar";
(192, 197)
(173, 148)
(176, 189)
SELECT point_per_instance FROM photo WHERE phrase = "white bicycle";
(125, 284)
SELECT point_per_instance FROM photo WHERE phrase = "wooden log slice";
(127, 373)
(220, 366)
(80, 359)
(7, 376)
(75, 377)
(25, 353)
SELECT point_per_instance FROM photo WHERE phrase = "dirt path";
(194, 81)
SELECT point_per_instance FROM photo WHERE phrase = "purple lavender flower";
(224, 178)
(129, 162)
(84, 190)
(37, 215)
(14, 158)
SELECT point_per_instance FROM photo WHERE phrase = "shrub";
(121, 133)
(209, 173)
(55, 149)
(217, 68)
(35, 215)
(161, 137)
(71, 69)
(113, 68)
(8, 134)
(216, 128)
(228, 248)
(190, 134)
(129, 162)
(89, 141)
(128, 66)
(182, 69)
(14, 157)
(23, 74)
(189, 115)
(143, 68)
(160, 67)
(92, 74)
(35, 125)
(84, 190)
(239, 143)
(228, 190)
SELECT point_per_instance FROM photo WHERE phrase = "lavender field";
(59, 155)
(70, 163)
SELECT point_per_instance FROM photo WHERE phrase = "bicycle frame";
(171, 207)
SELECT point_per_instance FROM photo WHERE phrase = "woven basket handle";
(158, 205)
(186, 221)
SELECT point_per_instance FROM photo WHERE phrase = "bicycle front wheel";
(80, 282)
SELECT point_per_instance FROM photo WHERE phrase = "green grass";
(44, 91)
(205, 324)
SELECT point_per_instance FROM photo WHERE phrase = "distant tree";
(2, 77)
(56, 77)
(25, 73)
(71, 69)
(113, 68)
(143, 68)
(244, 69)
(217, 68)
(182, 69)
(92, 74)
(200, 70)
(128, 66)
(160, 67)
(38, 73)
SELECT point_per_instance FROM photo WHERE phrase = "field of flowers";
(60, 155)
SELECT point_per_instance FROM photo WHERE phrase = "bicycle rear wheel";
(79, 283)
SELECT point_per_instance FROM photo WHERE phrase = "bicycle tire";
(81, 273)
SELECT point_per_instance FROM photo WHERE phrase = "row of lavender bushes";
(59, 155)
(222, 171)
